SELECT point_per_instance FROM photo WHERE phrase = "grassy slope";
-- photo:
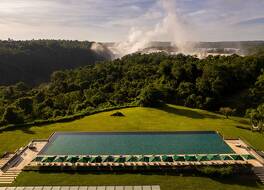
(170, 118)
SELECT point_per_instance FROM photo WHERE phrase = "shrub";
(217, 171)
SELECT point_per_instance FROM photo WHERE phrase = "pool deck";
(145, 187)
(19, 160)
(240, 147)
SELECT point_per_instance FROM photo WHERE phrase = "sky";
(113, 20)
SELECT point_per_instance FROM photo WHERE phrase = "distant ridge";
(34, 61)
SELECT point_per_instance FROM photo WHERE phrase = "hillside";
(138, 79)
(34, 61)
(168, 118)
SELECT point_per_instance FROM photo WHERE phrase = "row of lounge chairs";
(165, 160)
(112, 164)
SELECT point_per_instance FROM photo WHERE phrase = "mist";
(172, 25)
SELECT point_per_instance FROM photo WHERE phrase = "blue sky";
(111, 20)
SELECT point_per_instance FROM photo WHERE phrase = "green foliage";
(25, 104)
(34, 61)
(146, 80)
(226, 111)
(257, 117)
(256, 93)
(11, 116)
(217, 171)
(150, 97)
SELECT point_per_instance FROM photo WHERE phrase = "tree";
(150, 97)
(25, 104)
(257, 117)
(227, 111)
(149, 80)
(185, 89)
(11, 116)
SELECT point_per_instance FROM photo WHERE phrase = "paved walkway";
(13, 169)
(149, 187)
(5, 159)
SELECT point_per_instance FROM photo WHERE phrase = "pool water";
(136, 143)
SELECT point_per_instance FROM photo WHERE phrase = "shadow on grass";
(26, 130)
(242, 121)
(246, 180)
(243, 180)
(187, 113)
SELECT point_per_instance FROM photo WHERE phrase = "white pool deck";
(29, 154)
(146, 187)
(23, 157)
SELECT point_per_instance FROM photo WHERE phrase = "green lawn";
(167, 182)
(170, 118)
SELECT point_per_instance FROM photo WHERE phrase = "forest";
(33, 61)
(140, 80)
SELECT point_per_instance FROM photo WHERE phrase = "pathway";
(147, 187)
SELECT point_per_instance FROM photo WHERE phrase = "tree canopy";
(137, 79)
(34, 61)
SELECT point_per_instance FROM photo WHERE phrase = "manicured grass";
(167, 182)
(170, 118)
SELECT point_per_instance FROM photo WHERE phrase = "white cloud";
(111, 20)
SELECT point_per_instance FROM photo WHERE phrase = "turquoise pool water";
(147, 143)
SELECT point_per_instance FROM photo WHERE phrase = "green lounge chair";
(179, 158)
(60, 159)
(38, 159)
(226, 157)
(236, 157)
(155, 159)
(166, 158)
(132, 159)
(49, 159)
(202, 158)
(120, 159)
(144, 159)
(213, 157)
(190, 158)
(72, 159)
(248, 157)
(85, 159)
(96, 159)
(109, 159)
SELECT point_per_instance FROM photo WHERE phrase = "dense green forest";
(34, 61)
(146, 80)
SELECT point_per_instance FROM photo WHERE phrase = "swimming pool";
(136, 143)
